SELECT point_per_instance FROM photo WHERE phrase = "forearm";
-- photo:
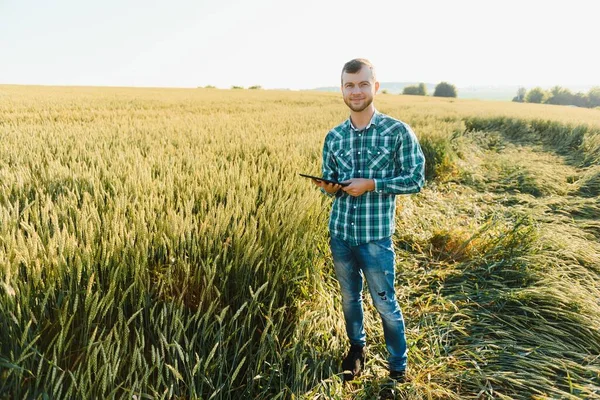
(409, 183)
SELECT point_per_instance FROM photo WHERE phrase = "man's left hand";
(358, 186)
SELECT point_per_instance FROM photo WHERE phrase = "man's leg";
(350, 279)
(377, 261)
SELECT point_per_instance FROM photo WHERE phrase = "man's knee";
(352, 298)
(386, 304)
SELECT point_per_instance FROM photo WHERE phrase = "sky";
(297, 44)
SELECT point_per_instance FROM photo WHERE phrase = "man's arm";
(412, 164)
(328, 171)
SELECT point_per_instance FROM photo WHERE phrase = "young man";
(380, 158)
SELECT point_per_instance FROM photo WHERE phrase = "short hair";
(355, 65)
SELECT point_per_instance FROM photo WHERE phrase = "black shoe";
(398, 376)
(354, 362)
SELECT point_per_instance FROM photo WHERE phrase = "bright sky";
(297, 44)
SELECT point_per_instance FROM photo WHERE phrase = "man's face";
(359, 89)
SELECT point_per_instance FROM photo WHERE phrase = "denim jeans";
(376, 261)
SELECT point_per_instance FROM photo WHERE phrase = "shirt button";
(378, 152)
(354, 206)
(352, 223)
(359, 152)
(359, 171)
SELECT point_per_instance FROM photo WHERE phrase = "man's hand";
(358, 186)
(328, 187)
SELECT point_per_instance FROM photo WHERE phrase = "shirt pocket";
(343, 158)
(378, 157)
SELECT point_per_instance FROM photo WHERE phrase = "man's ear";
(376, 87)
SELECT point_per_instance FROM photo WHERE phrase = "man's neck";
(360, 119)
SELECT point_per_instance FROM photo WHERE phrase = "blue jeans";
(376, 261)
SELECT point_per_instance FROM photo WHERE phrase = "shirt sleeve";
(410, 159)
(328, 166)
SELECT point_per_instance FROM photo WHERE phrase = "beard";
(361, 107)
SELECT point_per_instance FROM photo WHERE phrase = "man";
(380, 158)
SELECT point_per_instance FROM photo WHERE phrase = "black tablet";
(324, 180)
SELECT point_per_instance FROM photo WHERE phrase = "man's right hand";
(328, 187)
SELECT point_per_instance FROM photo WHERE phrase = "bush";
(536, 95)
(561, 96)
(417, 90)
(520, 97)
(594, 97)
(255, 87)
(445, 89)
(237, 87)
(581, 100)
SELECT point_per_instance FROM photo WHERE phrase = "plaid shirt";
(386, 151)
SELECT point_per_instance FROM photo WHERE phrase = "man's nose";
(356, 89)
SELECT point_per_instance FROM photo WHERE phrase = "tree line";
(559, 95)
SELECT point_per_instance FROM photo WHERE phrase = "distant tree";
(209, 87)
(418, 90)
(536, 95)
(237, 87)
(444, 89)
(593, 97)
(520, 97)
(580, 99)
(255, 87)
(560, 95)
(411, 90)
(384, 91)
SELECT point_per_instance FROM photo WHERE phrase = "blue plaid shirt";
(386, 151)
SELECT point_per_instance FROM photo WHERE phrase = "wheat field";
(160, 244)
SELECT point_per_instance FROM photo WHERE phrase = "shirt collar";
(374, 121)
